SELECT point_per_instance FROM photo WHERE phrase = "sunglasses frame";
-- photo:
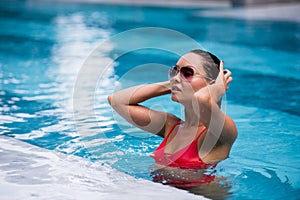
(195, 73)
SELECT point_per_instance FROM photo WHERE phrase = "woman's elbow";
(114, 101)
(109, 99)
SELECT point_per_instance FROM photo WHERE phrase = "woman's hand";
(226, 76)
(221, 84)
(215, 90)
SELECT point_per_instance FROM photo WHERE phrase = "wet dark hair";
(211, 63)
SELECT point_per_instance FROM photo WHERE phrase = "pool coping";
(30, 172)
(159, 3)
(287, 12)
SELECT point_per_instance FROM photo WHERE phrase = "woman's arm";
(126, 103)
(219, 124)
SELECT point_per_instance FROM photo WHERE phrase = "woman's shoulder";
(230, 131)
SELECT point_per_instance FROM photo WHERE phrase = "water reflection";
(197, 181)
(257, 185)
(36, 99)
(70, 55)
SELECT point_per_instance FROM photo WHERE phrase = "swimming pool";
(43, 47)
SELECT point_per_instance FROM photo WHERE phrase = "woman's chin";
(176, 98)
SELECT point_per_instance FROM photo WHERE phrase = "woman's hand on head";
(227, 78)
(224, 78)
(218, 88)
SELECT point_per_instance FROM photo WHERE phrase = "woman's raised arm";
(126, 103)
(220, 125)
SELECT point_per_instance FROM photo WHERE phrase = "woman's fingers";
(224, 76)
(220, 78)
(221, 68)
(228, 80)
(221, 72)
(227, 73)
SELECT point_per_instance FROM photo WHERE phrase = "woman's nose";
(176, 78)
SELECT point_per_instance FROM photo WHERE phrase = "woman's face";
(183, 90)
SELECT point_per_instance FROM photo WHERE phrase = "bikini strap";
(201, 132)
(173, 127)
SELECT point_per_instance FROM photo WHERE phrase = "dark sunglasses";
(186, 72)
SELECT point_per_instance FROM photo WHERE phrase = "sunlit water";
(43, 47)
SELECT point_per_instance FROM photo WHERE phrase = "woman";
(206, 134)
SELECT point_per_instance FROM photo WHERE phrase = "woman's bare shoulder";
(230, 131)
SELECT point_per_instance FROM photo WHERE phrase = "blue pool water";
(44, 46)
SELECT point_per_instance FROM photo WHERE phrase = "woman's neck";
(192, 117)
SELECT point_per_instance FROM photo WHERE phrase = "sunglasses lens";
(187, 72)
(173, 72)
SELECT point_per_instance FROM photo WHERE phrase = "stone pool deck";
(276, 12)
(29, 172)
(164, 3)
